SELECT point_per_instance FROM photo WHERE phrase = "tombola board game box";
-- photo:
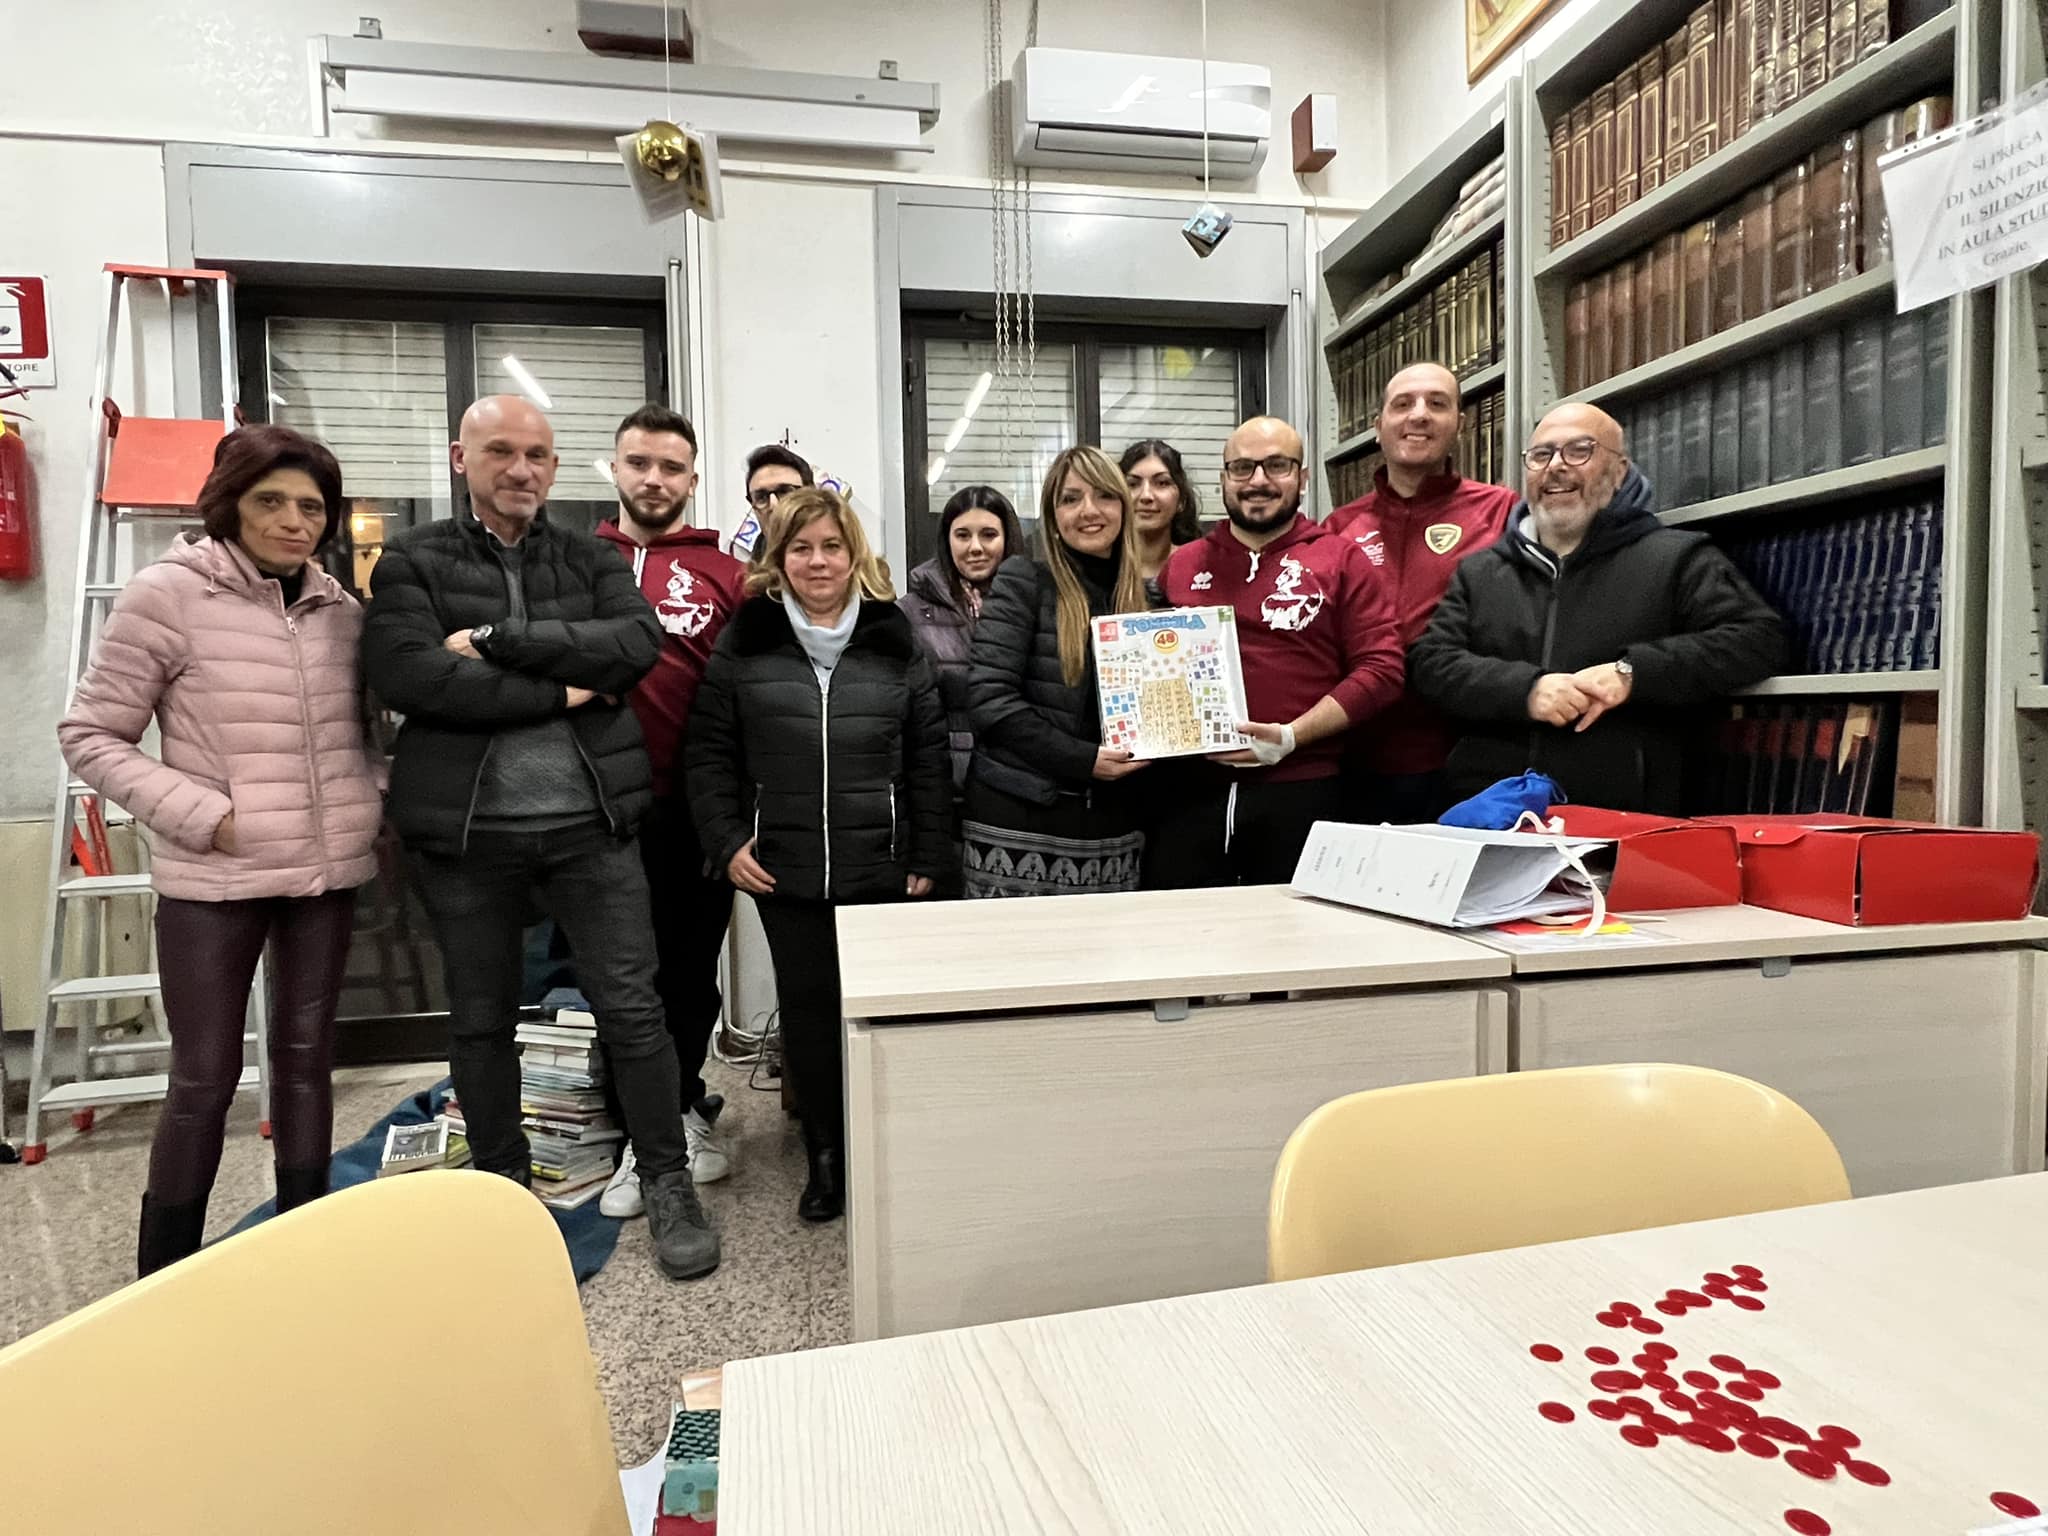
(1170, 682)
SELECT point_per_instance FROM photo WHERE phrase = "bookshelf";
(1391, 234)
(2016, 684)
(1954, 53)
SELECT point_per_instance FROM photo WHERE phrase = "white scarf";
(823, 645)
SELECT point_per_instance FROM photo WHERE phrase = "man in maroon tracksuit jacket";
(1316, 630)
(1417, 522)
(693, 587)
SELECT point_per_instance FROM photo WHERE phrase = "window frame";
(1088, 339)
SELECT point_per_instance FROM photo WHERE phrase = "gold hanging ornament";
(663, 150)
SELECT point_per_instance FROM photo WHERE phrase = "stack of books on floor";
(561, 1099)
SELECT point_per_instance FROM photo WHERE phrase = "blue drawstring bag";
(1499, 806)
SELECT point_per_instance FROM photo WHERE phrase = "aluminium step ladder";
(142, 470)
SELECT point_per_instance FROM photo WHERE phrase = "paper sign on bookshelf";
(1171, 683)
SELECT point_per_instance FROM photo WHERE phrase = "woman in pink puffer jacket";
(263, 807)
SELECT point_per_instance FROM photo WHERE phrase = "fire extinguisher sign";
(25, 332)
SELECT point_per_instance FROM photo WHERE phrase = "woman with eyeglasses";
(1045, 813)
(1167, 509)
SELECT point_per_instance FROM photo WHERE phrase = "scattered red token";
(1639, 1434)
(1548, 1352)
(1600, 1354)
(2016, 1505)
(1557, 1413)
(1835, 1451)
(1601, 1408)
(1750, 1283)
(1646, 1325)
(1648, 1362)
(1764, 1379)
(1747, 1303)
(1748, 1391)
(1748, 1270)
(1727, 1364)
(1807, 1523)
(1817, 1467)
(1661, 1351)
(1616, 1381)
(1671, 1308)
(1690, 1298)
(1742, 1414)
(1611, 1320)
(1626, 1308)
(1718, 1291)
(1783, 1429)
(1661, 1380)
(1702, 1380)
(1679, 1400)
(1867, 1472)
(1709, 1437)
(1838, 1434)
(1634, 1405)
(1759, 1445)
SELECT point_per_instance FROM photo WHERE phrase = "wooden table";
(1037, 1120)
(1922, 1049)
(1405, 1400)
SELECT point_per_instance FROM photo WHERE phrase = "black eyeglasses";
(1577, 453)
(764, 498)
(1278, 467)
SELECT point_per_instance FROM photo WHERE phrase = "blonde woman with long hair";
(1046, 809)
(818, 776)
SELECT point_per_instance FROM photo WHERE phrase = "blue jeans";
(593, 885)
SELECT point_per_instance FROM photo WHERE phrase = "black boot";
(824, 1195)
(299, 1186)
(169, 1233)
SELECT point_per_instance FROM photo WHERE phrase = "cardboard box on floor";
(1863, 870)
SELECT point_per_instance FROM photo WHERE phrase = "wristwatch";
(480, 638)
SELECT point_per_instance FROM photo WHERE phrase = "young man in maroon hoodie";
(1316, 630)
(1417, 522)
(693, 587)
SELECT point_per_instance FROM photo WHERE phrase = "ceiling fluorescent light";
(529, 386)
(953, 437)
(977, 394)
(938, 468)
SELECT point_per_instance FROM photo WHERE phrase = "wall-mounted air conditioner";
(1133, 112)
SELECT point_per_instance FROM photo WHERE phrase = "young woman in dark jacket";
(1042, 814)
(817, 775)
(977, 532)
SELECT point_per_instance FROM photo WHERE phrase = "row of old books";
(1482, 196)
(1819, 223)
(1479, 454)
(1853, 394)
(562, 1105)
(1860, 593)
(1830, 756)
(1732, 65)
(1457, 323)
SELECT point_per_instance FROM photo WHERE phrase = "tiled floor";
(67, 1237)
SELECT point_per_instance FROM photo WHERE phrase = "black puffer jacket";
(1665, 598)
(587, 626)
(1035, 734)
(846, 795)
(946, 634)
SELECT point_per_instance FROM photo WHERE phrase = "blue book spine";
(1927, 650)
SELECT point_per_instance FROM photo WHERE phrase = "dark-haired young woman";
(262, 808)
(1163, 503)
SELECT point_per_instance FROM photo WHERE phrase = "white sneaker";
(621, 1198)
(710, 1158)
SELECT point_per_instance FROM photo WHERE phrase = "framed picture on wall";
(1492, 27)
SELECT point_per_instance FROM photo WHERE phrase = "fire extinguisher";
(17, 530)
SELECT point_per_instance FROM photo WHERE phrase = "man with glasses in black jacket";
(1585, 642)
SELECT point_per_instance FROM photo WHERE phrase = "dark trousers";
(691, 910)
(1400, 798)
(803, 941)
(1241, 830)
(207, 956)
(592, 885)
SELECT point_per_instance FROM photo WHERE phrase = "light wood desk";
(1921, 1049)
(1038, 1120)
(1404, 1401)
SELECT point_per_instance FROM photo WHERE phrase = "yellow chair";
(1431, 1170)
(405, 1354)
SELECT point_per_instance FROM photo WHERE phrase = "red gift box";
(1865, 870)
(1661, 862)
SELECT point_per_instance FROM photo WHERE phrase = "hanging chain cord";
(999, 231)
(1205, 101)
(1030, 285)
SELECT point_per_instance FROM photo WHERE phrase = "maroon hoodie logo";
(1296, 598)
(679, 612)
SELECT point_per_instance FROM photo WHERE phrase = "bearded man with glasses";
(1589, 642)
(1321, 646)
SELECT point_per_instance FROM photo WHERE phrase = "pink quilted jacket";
(260, 713)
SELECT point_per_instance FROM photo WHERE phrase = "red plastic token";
(1601, 1408)
(1751, 1283)
(1718, 1291)
(1626, 1308)
(1747, 1303)
(1717, 1278)
(1816, 1467)
(1671, 1308)
(1679, 1400)
(1616, 1381)
(1836, 1433)
(1759, 1445)
(1764, 1379)
(1748, 1391)
(1742, 1414)
(1783, 1429)
(1702, 1380)
(1646, 1325)
(1647, 1362)
(1548, 1352)
(1726, 1364)
(1867, 1472)
(1664, 1424)
(1557, 1413)
(1600, 1354)
(1708, 1436)
(1634, 1405)
(1807, 1523)
(1690, 1298)
(1661, 1380)
(1639, 1434)
(2016, 1505)
(1749, 1270)
(1611, 1320)
(1661, 1351)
